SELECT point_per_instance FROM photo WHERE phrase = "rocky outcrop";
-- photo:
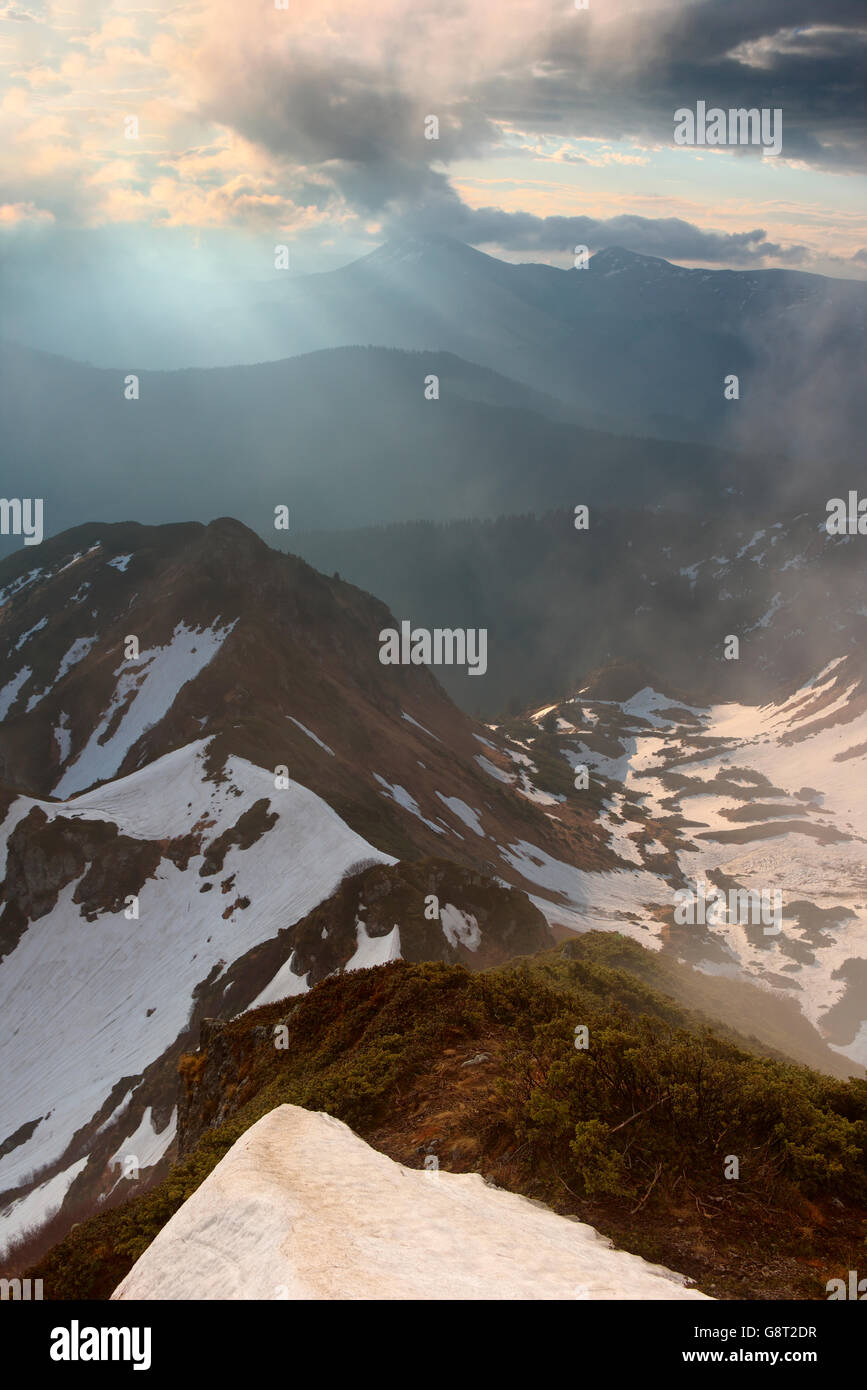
(45, 855)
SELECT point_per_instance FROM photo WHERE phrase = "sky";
(153, 147)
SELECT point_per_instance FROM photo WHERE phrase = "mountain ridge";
(252, 801)
(640, 341)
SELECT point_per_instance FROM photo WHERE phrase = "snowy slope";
(87, 1003)
(765, 798)
(248, 662)
(302, 1208)
(143, 696)
(227, 861)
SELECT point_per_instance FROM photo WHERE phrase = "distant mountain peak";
(615, 258)
(430, 248)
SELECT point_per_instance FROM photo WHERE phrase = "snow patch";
(37, 627)
(403, 798)
(285, 985)
(464, 812)
(373, 950)
(146, 1146)
(460, 928)
(10, 691)
(492, 770)
(409, 719)
(310, 734)
(63, 737)
(302, 1208)
(145, 693)
(38, 1206)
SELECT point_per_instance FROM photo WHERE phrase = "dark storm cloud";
(366, 133)
(604, 73)
(669, 237)
(808, 58)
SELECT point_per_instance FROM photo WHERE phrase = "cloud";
(17, 15)
(13, 214)
(669, 237)
(248, 112)
(345, 91)
(624, 73)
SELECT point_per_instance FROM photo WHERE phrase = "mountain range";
(484, 447)
(244, 801)
(556, 386)
(226, 819)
